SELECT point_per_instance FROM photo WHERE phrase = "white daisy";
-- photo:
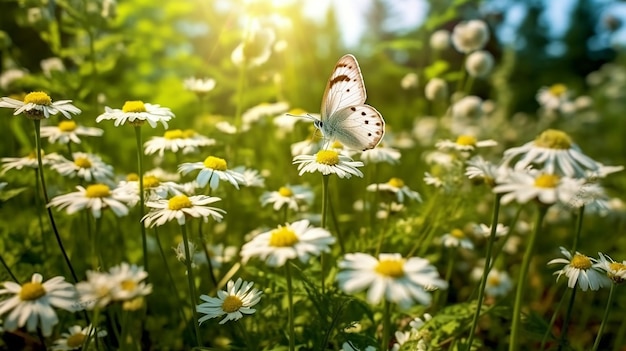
(218, 253)
(237, 300)
(286, 122)
(153, 187)
(499, 283)
(390, 276)
(226, 127)
(38, 105)
(430, 179)
(29, 161)
(76, 337)
(129, 282)
(479, 168)
(484, 231)
(616, 271)
(251, 177)
(95, 197)
(529, 185)
(180, 207)
(187, 141)
(292, 196)
(397, 187)
(469, 107)
(328, 162)
(85, 166)
(32, 303)
(457, 238)
(580, 269)
(9, 76)
(381, 154)
(137, 113)
(212, 170)
(68, 131)
(464, 143)
(256, 113)
(553, 151)
(95, 291)
(401, 339)
(295, 240)
(554, 96)
(310, 145)
(199, 86)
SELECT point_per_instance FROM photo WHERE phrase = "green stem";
(483, 279)
(142, 200)
(498, 249)
(605, 318)
(521, 282)
(442, 294)
(192, 283)
(6, 267)
(324, 210)
(552, 320)
(290, 314)
(579, 227)
(207, 254)
(44, 247)
(619, 337)
(169, 274)
(47, 200)
(568, 315)
(386, 325)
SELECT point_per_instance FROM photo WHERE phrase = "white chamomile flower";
(219, 254)
(401, 339)
(417, 323)
(95, 292)
(295, 240)
(212, 170)
(38, 105)
(390, 277)
(237, 300)
(328, 162)
(457, 238)
(549, 189)
(430, 179)
(292, 196)
(580, 269)
(136, 113)
(616, 271)
(154, 188)
(128, 284)
(499, 283)
(256, 113)
(199, 86)
(553, 97)
(465, 143)
(468, 107)
(32, 304)
(397, 187)
(251, 177)
(9, 76)
(226, 127)
(187, 141)
(484, 231)
(309, 146)
(95, 198)
(29, 161)
(68, 131)
(85, 166)
(180, 207)
(381, 154)
(76, 337)
(286, 122)
(479, 168)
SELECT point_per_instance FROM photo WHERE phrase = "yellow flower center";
(128, 285)
(231, 304)
(283, 237)
(285, 191)
(189, 133)
(98, 190)
(132, 177)
(76, 340)
(554, 139)
(558, 89)
(32, 291)
(547, 181)
(33, 155)
(466, 140)
(216, 163)
(179, 202)
(67, 126)
(336, 145)
(457, 233)
(616, 266)
(38, 98)
(297, 112)
(391, 268)
(493, 280)
(82, 162)
(396, 182)
(580, 262)
(173, 134)
(616, 272)
(327, 157)
(151, 182)
(134, 106)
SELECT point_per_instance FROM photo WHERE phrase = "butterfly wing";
(345, 87)
(359, 127)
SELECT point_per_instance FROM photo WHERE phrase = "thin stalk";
(568, 315)
(483, 279)
(191, 282)
(552, 320)
(386, 325)
(207, 254)
(605, 318)
(442, 294)
(169, 274)
(290, 314)
(324, 210)
(6, 267)
(142, 200)
(44, 247)
(514, 341)
(47, 200)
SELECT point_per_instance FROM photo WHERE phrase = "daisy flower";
(479, 168)
(553, 151)
(433, 180)
(200, 86)
(457, 238)
(390, 276)
(32, 303)
(137, 113)
(616, 271)
(226, 127)
(464, 143)
(396, 186)
(68, 131)
(256, 113)
(295, 240)
(95, 292)
(29, 161)
(180, 207)
(153, 187)
(401, 339)
(530, 185)
(187, 141)
(181, 255)
(39, 105)
(129, 282)
(484, 230)
(212, 170)
(381, 154)
(219, 255)
(237, 300)
(85, 166)
(309, 146)
(499, 283)
(76, 337)
(553, 97)
(95, 197)
(328, 162)
(292, 196)
(581, 270)
(468, 107)
(251, 177)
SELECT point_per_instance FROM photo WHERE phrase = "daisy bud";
(470, 36)
(469, 106)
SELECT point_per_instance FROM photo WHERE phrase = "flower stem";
(483, 279)
(605, 318)
(169, 274)
(386, 325)
(552, 320)
(6, 267)
(191, 282)
(47, 200)
(142, 200)
(521, 281)
(292, 341)
(324, 210)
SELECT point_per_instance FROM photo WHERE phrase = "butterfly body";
(344, 115)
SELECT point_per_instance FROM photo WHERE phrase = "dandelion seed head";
(134, 106)
(547, 181)
(179, 202)
(327, 157)
(581, 262)
(283, 237)
(32, 291)
(554, 139)
(67, 126)
(231, 304)
(216, 163)
(38, 98)
(393, 268)
(98, 190)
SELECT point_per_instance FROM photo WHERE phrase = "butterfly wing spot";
(353, 108)
(363, 113)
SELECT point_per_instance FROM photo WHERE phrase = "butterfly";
(344, 115)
